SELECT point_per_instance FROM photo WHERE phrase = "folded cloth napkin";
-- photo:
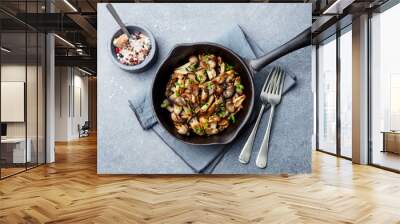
(202, 159)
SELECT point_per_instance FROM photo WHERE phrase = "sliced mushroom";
(212, 63)
(237, 101)
(224, 123)
(187, 83)
(182, 129)
(201, 76)
(192, 78)
(237, 81)
(193, 59)
(172, 97)
(196, 127)
(214, 106)
(211, 99)
(211, 88)
(203, 120)
(214, 119)
(219, 60)
(220, 78)
(211, 73)
(230, 106)
(230, 73)
(219, 90)
(212, 129)
(207, 105)
(187, 113)
(170, 109)
(177, 109)
(229, 91)
(176, 118)
(204, 95)
(184, 69)
(170, 84)
(230, 76)
(180, 101)
(193, 89)
(194, 123)
(222, 68)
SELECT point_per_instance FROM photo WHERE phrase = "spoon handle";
(244, 156)
(114, 13)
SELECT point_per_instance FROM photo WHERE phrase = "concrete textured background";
(124, 148)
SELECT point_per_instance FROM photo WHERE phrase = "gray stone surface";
(123, 147)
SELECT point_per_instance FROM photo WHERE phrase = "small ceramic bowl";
(148, 61)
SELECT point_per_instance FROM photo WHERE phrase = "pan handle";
(300, 41)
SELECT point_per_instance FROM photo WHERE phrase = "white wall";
(33, 127)
(70, 84)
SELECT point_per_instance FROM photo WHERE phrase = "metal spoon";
(114, 13)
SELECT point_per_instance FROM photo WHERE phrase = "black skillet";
(246, 68)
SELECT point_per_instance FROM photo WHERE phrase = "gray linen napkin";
(203, 159)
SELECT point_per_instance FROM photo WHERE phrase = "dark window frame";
(337, 35)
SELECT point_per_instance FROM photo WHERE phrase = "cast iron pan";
(246, 68)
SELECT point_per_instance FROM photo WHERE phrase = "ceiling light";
(64, 40)
(84, 71)
(70, 5)
(5, 50)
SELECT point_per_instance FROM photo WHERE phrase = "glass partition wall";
(22, 77)
(385, 89)
(334, 93)
(327, 95)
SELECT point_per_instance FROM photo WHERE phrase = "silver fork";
(245, 154)
(272, 96)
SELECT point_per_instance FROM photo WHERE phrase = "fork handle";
(262, 157)
(244, 156)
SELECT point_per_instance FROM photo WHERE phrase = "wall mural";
(204, 88)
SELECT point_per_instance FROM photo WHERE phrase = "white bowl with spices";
(135, 53)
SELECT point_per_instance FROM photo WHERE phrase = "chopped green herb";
(206, 56)
(199, 78)
(198, 130)
(192, 67)
(210, 85)
(178, 85)
(206, 125)
(177, 94)
(222, 113)
(164, 104)
(228, 67)
(239, 87)
(232, 118)
(205, 106)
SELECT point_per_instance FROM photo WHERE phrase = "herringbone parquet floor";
(70, 191)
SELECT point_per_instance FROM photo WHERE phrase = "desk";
(391, 141)
(18, 149)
